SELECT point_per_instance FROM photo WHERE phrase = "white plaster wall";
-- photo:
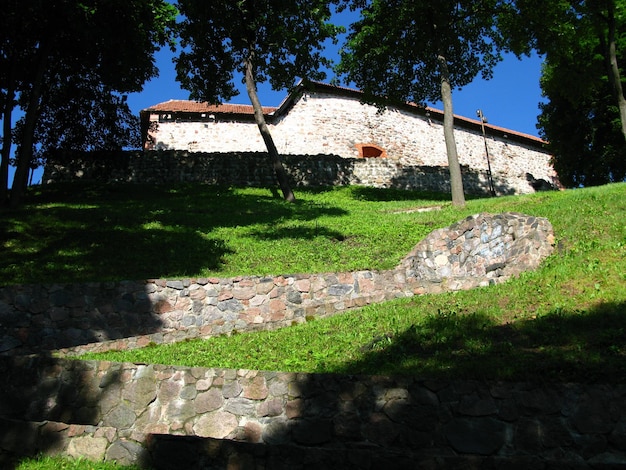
(209, 136)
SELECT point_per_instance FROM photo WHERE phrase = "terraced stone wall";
(477, 251)
(176, 417)
(173, 417)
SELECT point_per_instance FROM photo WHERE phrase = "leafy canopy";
(284, 39)
(393, 50)
(581, 120)
(85, 52)
(584, 117)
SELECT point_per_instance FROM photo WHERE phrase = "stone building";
(321, 119)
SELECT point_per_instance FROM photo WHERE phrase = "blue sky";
(509, 100)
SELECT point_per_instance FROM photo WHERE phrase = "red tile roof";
(185, 106)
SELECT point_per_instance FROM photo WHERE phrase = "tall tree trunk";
(6, 144)
(25, 153)
(456, 179)
(613, 72)
(277, 165)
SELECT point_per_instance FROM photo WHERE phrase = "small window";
(371, 151)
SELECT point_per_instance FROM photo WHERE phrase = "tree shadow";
(437, 179)
(412, 418)
(560, 346)
(34, 409)
(299, 232)
(37, 319)
(353, 419)
(113, 232)
(39, 412)
(366, 193)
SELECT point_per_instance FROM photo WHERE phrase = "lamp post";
(483, 120)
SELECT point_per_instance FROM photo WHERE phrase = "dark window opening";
(371, 151)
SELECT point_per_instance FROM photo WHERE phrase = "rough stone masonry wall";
(254, 169)
(174, 417)
(327, 124)
(477, 251)
(134, 413)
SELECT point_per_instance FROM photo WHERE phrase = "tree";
(582, 79)
(581, 121)
(264, 40)
(82, 114)
(104, 44)
(15, 22)
(419, 50)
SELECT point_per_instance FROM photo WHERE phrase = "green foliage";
(564, 321)
(394, 49)
(81, 114)
(584, 134)
(282, 38)
(102, 48)
(582, 120)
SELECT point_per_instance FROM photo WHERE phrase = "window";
(371, 151)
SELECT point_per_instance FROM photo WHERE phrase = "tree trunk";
(613, 72)
(25, 153)
(277, 165)
(456, 179)
(6, 145)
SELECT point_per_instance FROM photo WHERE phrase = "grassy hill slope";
(565, 321)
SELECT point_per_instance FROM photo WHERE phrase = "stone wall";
(123, 413)
(254, 169)
(335, 122)
(173, 417)
(480, 250)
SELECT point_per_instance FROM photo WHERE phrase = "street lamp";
(483, 120)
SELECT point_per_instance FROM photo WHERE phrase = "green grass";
(81, 233)
(563, 322)
(67, 463)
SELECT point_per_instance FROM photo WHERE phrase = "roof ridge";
(192, 106)
(471, 121)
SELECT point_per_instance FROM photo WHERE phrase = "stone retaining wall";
(121, 412)
(478, 251)
(220, 418)
(254, 169)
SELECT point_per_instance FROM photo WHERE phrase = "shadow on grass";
(364, 193)
(112, 232)
(561, 346)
